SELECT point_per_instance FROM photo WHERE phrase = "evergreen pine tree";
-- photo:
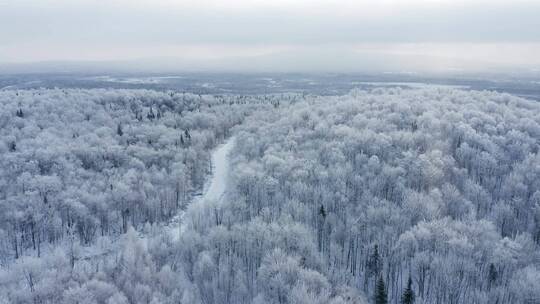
(322, 212)
(119, 130)
(408, 294)
(320, 227)
(374, 262)
(492, 275)
(151, 114)
(380, 292)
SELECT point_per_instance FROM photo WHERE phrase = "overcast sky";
(276, 34)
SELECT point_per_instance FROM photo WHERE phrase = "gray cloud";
(37, 30)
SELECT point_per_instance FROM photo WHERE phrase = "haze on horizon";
(278, 35)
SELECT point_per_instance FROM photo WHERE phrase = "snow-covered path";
(220, 165)
(214, 189)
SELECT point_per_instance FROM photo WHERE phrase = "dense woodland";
(387, 196)
(442, 186)
(91, 163)
(79, 167)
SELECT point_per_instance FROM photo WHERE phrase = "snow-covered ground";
(412, 85)
(132, 80)
(220, 164)
(214, 189)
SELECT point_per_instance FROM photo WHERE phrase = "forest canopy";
(382, 196)
(439, 185)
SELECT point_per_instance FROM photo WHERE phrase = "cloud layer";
(35, 30)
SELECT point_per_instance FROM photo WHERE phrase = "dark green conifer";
(492, 275)
(119, 130)
(374, 262)
(380, 292)
(408, 294)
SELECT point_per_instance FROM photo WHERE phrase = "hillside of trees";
(386, 196)
(364, 192)
(78, 168)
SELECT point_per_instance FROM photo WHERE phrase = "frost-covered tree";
(329, 198)
(434, 177)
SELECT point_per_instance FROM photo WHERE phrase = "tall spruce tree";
(119, 130)
(408, 294)
(380, 292)
(374, 262)
(492, 277)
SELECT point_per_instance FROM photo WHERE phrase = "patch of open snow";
(414, 85)
(207, 85)
(133, 80)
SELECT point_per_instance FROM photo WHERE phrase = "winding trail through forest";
(220, 172)
(214, 188)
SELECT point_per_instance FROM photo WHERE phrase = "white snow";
(133, 80)
(220, 164)
(412, 85)
(214, 189)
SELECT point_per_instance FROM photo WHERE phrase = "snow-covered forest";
(78, 168)
(382, 196)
